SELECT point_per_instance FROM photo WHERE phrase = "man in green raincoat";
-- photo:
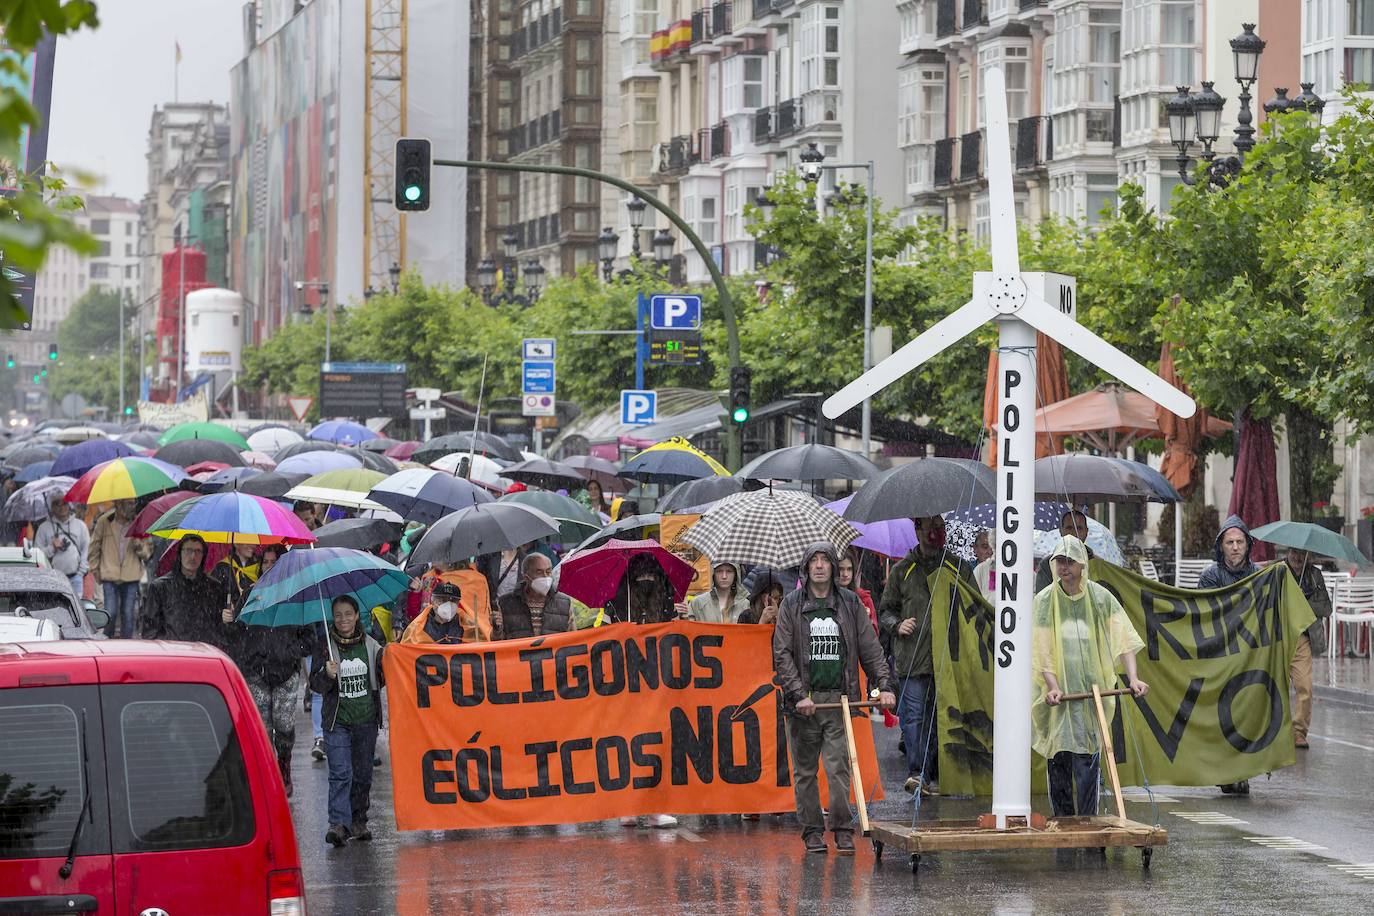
(1080, 634)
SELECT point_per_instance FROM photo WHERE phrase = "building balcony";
(547, 128)
(543, 31)
(788, 118)
(677, 155)
(701, 34)
(946, 18)
(1034, 137)
(1025, 5)
(763, 125)
(723, 24)
(748, 16)
(971, 156)
(944, 161)
(670, 45)
(714, 142)
(975, 14)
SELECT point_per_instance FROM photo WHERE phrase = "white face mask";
(446, 611)
(541, 585)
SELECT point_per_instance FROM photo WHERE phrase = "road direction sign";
(537, 377)
(638, 408)
(427, 394)
(427, 413)
(538, 405)
(674, 312)
(537, 348)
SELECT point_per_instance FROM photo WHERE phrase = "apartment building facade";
(1337, 48)
(716, 98)
(1086, 85)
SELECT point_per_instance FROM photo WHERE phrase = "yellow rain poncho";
(1079, 639)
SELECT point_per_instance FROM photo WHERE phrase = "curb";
(1358, 697)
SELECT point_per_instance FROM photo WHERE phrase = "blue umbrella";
(302, 586)
(312, 463)
(1047, 515)
(341, 432)
(76, 460)
(31, 472)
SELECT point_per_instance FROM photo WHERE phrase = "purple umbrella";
(341, 432)
(891, 538)
(312, 463)
(77, 459)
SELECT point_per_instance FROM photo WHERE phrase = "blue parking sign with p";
(638, 408)
(675, 313)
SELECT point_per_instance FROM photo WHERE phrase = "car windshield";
(53, 606)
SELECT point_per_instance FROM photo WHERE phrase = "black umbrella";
(699, 492)
(479, 443)
(373, 461)
(186, 452)
(378, 445)
(357, 533)
(809, 462)
(627, 529)
(300, 448)
(921, 488)
(143, 440)
(272, 485)
(482, 529)
(1094, 478)
(23, 457)
(602, 471)
(425, 495)
(551, 475)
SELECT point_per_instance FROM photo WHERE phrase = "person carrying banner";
(822, 639)
(1080, 634)
(533, 609)
(444, 621)
(1073, 523)
(1311, 642)
(1232, 551)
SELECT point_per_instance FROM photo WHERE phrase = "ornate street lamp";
(395, 273)
(636, 207)
(486, 278)
(1246, 49)
(663, 247)
(811, 159)
(608, 243)
(534, 279)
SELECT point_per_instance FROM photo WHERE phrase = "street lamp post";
(636, 207)
(534, 279)
(608, 243)
(812, 164)
(663, 248)
(510, 247)
(394, 271)
(1198, 117)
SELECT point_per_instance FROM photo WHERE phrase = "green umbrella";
(1312, 538)
(575, 521)
(214, 431)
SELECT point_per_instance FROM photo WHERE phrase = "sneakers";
(844, 843)
(649, 820)
(927, 787)
(1300, 741)
(360, 832)
(815, 843)
(912, 785)
(930, 788)
(336, 835)
(317, 751)
(1236, 788)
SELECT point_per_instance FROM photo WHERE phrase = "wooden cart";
(1034, 832)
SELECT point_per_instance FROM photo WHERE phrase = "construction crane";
(384, 229)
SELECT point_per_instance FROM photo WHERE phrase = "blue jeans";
(349, 750)
(78, 584)
(316, 703)
(916, 709)
(121, 603)
(1074, 781)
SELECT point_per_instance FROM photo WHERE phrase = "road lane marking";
(1365, 871)
(1363, 747)
(1139, 795)
(1290, 843)
(689, 835)
(1209, 818)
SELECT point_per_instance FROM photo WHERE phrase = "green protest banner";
(1216, 661)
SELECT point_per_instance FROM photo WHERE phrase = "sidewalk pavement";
(1349, 679)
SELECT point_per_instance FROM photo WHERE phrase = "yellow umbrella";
(673, 461)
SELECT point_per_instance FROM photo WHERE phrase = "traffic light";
(740, 377)
(9, 361)
(52, 352)
(412, 174)
(37, 379)
(43, 372)
(128, 411)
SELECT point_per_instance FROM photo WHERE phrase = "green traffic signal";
(9, 362)
(36, 378)
(413, 192)
(43, 372)
(128, 411)
(740, 415)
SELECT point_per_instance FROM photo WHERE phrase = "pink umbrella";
(258, 460)
(402, 451)
(592, 576)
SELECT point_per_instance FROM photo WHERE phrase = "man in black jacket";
(531, 610)
(186, 603)
(1232, 553)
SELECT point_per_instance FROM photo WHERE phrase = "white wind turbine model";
(1003, 296)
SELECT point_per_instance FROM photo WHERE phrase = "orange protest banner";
(676, 718)
(670, 529)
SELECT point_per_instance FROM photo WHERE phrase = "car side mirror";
(98, 617)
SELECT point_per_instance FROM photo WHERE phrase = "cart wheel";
(1146, 854)
(915, 862)
(878, 850)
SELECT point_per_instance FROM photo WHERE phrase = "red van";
(135, 778)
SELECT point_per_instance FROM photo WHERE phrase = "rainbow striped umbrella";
(125, 478)
(303, 584)
(216, 431)
(233, 517)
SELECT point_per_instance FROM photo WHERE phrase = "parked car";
(23, 628)
(24, 555)
(46, 593)
(136, 777)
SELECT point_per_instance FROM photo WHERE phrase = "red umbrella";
(1052, 385)
(592, 576)
(402, 451)
(156, 509)
(1255, 488)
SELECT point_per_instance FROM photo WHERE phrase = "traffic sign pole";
(642, 341)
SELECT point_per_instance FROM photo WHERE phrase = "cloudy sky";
(106, 82)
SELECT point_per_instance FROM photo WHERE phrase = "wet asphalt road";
(1290, 847)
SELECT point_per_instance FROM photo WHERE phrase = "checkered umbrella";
(771, 527)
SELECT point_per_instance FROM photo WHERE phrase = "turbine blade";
(1001, 196)
(934, 340)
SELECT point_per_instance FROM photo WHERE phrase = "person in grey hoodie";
(1232, 551)
(822, 639)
